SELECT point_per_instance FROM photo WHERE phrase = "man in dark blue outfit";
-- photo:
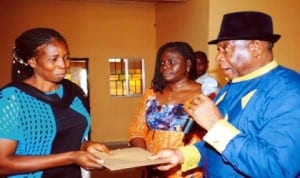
(253, 123)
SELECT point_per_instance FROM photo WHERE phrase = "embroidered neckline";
(257, 73)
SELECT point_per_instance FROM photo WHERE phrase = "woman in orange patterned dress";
(160, 116)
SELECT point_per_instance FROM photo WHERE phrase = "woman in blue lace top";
(44, 118)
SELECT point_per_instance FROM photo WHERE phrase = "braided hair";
(158, 82)
(26, 47)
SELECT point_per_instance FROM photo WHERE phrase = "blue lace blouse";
(33, 123)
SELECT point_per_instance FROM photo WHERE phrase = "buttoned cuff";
(191, 157)
(220, 135)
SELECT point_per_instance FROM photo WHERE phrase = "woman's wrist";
(85, 145)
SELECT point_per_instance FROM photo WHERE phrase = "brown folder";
(128, 158)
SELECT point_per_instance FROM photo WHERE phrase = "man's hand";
(203, 111)
(174, 157)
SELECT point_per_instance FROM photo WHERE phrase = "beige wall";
(99, 30)
(94, 30)
(185, 21)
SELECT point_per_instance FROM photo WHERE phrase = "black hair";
(201, 55)
(158, 82)
(26, 47)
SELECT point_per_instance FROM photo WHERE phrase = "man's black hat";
(247, 25)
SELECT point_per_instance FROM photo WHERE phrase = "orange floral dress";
(161, 127)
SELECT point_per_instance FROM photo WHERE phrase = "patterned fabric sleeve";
(138, 126)
(9, 115)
